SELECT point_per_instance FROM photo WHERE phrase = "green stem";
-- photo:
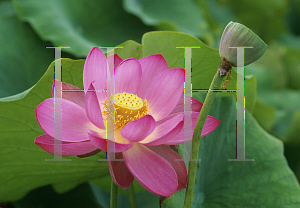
(113, 195)
(196, 139)
(131, 197)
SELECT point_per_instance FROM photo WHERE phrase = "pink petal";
(74, 120)
(152, 66)
(165, 92)
(118, 138)
(101, 99)
(95, 70)
(139, 129)
(152, 171)
(117, 60)
(69, 92)
(175, 160)
(93, 109)
(196, 105)
(165, 130)
(127, 76)
(113, 61)
(46, 142)
(107, 145)
(119, 172)
(211, 124)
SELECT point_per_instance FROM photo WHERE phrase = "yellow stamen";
(127, 107)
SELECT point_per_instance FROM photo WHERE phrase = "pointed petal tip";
(161, 180)
(49, 144)
(95, 69)
(210, 125)
(96, 48)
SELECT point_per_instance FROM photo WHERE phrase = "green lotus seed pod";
(238, 35)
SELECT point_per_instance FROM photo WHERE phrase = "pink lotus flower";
(149, 114)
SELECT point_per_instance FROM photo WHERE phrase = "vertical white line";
(58, 107)
(187, 126)
(110, 129)
(240, 110)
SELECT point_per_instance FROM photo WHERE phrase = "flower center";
(127, 107)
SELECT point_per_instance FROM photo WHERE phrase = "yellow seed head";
(127, 107)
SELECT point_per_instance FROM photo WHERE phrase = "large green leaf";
(265, 182)
(286, 103)
(23, 165)
(130, 49)
(264, 114)
(185, 16)
(80, 24)
(23, 56)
